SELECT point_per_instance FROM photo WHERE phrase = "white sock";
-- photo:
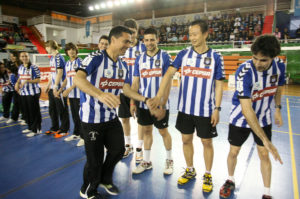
(169, 155)
(140, 144)
(147, 155)
(191, 168)
(231, 178)
(208, 172)
(267, 191)
(128, 140)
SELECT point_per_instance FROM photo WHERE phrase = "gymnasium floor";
(48, 168)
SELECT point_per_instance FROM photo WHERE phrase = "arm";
(277, 116)
(135, 88)
(48, 84)
(32, 81)
(132, 94)
(251, 118)
(85, 86)
(218, 99)
(57, 80)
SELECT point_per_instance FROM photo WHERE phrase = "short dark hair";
(203, 25)
(103, 37)
(52, 44)
(70, 46)
(131, 23)
(151, 31)
(267, 45)
(29, 63)
(117, 32)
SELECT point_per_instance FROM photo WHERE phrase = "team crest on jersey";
(120, 73)
(108, 73)
(157, 63)
(257, 86)
(137, 53)
(207, 61)
(273, 79)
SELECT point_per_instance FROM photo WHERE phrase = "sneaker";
(169, 167)
(207, 185)
(26, 131)
(10, 121)
(72, 137)
(96, 196)
(60, 135)
(143, 166)
(128, 150)
(31, 134)
(227, 189)
(82, 192)
(23, 123)
(3, 118)
(50, 132)
(80, 142)
(138, 156)
(187, 176)
(21, 120)
(39, 131)
(110, 188)
(266, 197)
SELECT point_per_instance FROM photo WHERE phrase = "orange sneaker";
(50, 132)
(60, 135)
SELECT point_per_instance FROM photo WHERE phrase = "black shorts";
(124, 108)
(145, 118)
(238, 135)
(186, 124)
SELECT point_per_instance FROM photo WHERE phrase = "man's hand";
(153, 103)
(133, 110)
(272, 149)
(23, 83)
(159, 113)
(47, 89)
(278, 118)
(66, 92)
(215, 118)
(55, 93)
(109, 100)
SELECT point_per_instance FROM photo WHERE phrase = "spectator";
(298, 33)
(285, 34)
(277, 33)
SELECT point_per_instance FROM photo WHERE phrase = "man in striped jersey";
(103, 42)
(131, 54)
(258, 81)
(148, 72)
(200, 96)
(101, 78)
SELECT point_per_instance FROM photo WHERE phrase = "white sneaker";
(80, 142)
(39, 132)
(31, 134)
(143, 166)
(138, 157)
(72, 137)
(128, 150)
(169, 167)
(3, 118)
(10, 121)
(23, 123)
(20, 120)
(26, 131)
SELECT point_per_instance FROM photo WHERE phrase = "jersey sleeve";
(178, 60)
(35, 72)
(243, 82)
(127, 80)
(60, 62)
(136, 71)
(282, 69)
(78, 64)
(219, 67)
(91, 63)
(167, 62)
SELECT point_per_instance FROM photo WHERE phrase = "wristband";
(145, 101)
(278, 106)
(218, 108)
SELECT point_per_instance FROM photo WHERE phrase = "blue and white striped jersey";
(130, 56)
(5, 83)
(71, 67)
(13, 78)
(57, 62)
(31, 73)
(106, 75)
(258, 86)
(151, 70)
(198, 75)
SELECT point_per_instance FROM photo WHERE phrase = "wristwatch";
(218, 108)
(145, 101)
(278, 106)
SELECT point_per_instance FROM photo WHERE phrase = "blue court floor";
(46, 168)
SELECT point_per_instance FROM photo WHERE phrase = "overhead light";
(97, 7)
(110, 4)
(130, 1)
(117, 2)
(91, 8)
(124, 2)
(103, 5)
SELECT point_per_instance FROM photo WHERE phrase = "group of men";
(141, 85)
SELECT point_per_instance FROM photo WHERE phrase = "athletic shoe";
(26, 131)
(143, 166)
(31, 134)
(128, 150)
(50, 132)
(207, 185)
(10, 121)
(96, 196)
(138, 156)
(187, 176)
(60, 135)
(82, 192)
(23, 123)
(72, 137)
(227, 189)
(110, 188)
(39, 131)
(3, 118)
(266, 197)
(168, 167)
(80, 142)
